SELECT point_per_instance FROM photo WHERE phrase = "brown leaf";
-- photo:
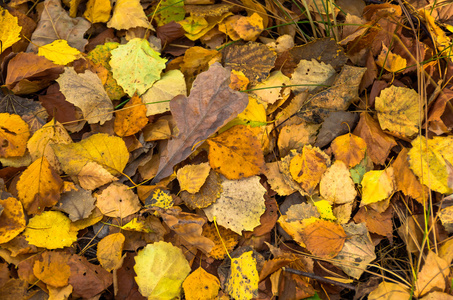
(440, 119)
(376, 222)
(211, 105)
(52, 268)
(132, 118)
(56, 105)
(432, 275)
(324, 239)
(77, 204)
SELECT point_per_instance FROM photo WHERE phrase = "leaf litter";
(167, 150)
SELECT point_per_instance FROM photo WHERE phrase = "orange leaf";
(323, 238)
(39, 186)
(52, 268)
(12, 221)
(109, 251)
(236, 153)
(14, 134)
(349, 148)
(117, 201)
(132, 118)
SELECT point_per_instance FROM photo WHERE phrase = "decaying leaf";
(349, 148)
(128, 14)
(242, 282)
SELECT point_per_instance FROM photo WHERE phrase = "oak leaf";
(14, 133)
(211, 105)
(95, 104)
(128, 14)
(110, 250)
(12, 221)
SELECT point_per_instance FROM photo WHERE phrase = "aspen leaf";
(194, 24)
(398, 110)
(201, 285)
(39, 186)
(242, 282)
(98, 11)
(192, 177)
(128, 14)
(132, 118)
(272, 89)
(377, 186)
(311, 75)
(108, 151)
(52, 268)
(161, 269)
(136, 66)
(296, 136)
(208, 193)
(93, 175)
(59, 52)
(236, 153)
(77, 204)
(168, 11)
(390, 290)
(390, 61)
(253, 115)
(240, 205)
(50, 230)
(336, 185)
(110, 250)
(276, 180)
(12, 219)
(229, 240)
(138, 225)
(432, 275)
(9, 29)
(349, 148)
(241, 27)
(325, 210)
(14, 134)
(323, 238)
(117, 201)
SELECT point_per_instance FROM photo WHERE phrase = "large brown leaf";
(211, 105)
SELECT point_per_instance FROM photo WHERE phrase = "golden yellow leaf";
(229, 240)
(236, 153)
(276, 180)
(308, 167)
(39, 144)
(272, 89)
(242, 282)
(52, 268)
(14, 134)
(324, 239)
(98, 11)
(59, 52)
(93, 176)
(9, 29)
(349, 148)
(132, 118)
(117, 201)
(238, 81)
(325, 210)
(128, 14)
(208, 194)
(377, 186)
(12, 220)
(108, 151)
(50, 230)
(253, 115)
(192, 177)
(390, 61)
(439, 36)
(39, 186)
(160, 198)
(200, 285)
(390, 290)
(110, 250)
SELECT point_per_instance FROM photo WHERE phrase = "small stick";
(319, 278)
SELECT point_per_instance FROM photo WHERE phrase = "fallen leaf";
(132, 118)
(108, 151)
(92, 175)
(59, 52)
(98, 11)
(12, 221)
(159, 198)
(14, 134)
(240, 205)
(77, 204)
(349, 148)
(432, 275)
(336, 185)
(55, 24)
(324, 208)
(96, 104)
(376, 222)
(211, 105)
(323, 238)
(242, 282)
(224, 240)
(109, 251)
(39, 186)
(390, 290)
(169, 10)
(311, 75)
(236, 153)
(161, 269)
(390, 61)
(272, 89)
(241, 27)
(192, 177)
(377, 186)
(50, 230)
(398, 110)
(117, 201)
(128, 14)
(52, 268)
(201, 285)
(296, 136)
(10, 29)
(276, 181)
(439, 118)
(209, 192)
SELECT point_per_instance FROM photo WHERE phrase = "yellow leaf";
(128, 14)
(242, 283)
(272, 89)
(40, 143)
(39, 186)
(59, 52)
(212, 22)
(253, 115)
(336, 185)
(193, 24)
(98, 11)
(390, 61)
(9, 29)
(236, 153)
(108, 151)
(12, 220)
(200, 285)
(52, 268)
(118, 201)
(14, 134)
(160, 198)
(441, 40)
(50, 230)
(349, 148)
(229, 240)
(137, 225)
(238, 81)
(192, 177)
(427, 158)
(390, 290)
(325, 210)
(132, 118)
(377, 186)
(161, 269)
(109, 251)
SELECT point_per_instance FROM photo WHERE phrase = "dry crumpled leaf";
(95, 104)
(55, 24)
(132, 118)
(398, 110)
(211, 105)
(439, 119)
(209, 192)
(236, 153)
(390, 61)
(242, 282)
(118, 201)
(432, 276)
(128, 14)
(14, 134)
(336, 185)
(229, 240)
(390, 290)
(240, 205)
